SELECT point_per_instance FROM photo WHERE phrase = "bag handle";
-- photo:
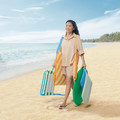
(76, 44)
(59, 45)
(58, 49)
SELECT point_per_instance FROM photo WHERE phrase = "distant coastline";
(113, 37)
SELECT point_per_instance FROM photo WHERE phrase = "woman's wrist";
(83, 62)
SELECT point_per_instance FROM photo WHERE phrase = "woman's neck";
(68, 34)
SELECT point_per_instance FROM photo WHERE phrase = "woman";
(68, 50)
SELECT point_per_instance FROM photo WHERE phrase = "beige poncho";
(68, 49)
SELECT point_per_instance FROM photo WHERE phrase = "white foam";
(21, 69)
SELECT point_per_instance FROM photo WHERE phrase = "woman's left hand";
(83, 65)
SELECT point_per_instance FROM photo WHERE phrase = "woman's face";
(69, 27)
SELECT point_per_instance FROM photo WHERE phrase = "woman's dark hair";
(76, 31)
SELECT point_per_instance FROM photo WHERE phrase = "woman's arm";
(83, 61)
(81, 51)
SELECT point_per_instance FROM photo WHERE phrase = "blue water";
(13, 54)
(17, 59)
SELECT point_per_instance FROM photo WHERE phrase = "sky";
(43, 21)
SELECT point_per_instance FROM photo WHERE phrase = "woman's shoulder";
(78, 36)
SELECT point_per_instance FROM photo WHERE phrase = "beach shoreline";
(21, 70)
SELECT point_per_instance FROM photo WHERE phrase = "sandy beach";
(20, 96)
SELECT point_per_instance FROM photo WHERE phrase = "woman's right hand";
(53, 65)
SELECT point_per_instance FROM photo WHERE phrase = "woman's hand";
(83, 65)
(53, 64)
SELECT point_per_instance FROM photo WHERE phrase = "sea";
(20, 58)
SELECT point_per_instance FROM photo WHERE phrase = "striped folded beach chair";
(59, 78)
(47, 87)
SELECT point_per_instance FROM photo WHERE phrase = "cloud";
(48, 2)
(30, 18)
(23, 18)
(17, 10)
(5, 17)
(96, 27)
(111, 11)
(27, 9)
(50, 36)
(34, 8)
